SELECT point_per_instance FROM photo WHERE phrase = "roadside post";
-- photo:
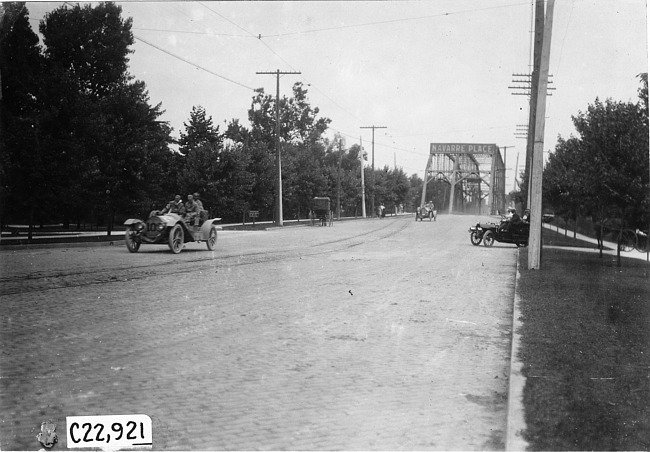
(252, 214)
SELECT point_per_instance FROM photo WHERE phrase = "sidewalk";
(609, 247)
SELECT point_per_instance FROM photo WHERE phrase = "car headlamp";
(161, 226)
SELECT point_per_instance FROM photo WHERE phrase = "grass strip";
(585, 351)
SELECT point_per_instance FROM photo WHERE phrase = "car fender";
(132, 221)
(207, 225)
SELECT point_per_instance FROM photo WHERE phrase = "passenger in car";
(191, 210)
(512, 218)
(175, 206)
(203, 214)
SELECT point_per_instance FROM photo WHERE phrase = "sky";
(428, 71)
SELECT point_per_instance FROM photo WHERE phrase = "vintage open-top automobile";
(504, 231)
(426, 211)
(169, 229)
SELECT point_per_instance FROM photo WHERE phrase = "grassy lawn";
(585, 350)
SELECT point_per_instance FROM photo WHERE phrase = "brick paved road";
(376, 334)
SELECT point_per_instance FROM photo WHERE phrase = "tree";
(23, 173)
(301, 132)
(614, 158)
(97, 124)
(200, 146)
(92, 44)
(604, 171)
(218, 170)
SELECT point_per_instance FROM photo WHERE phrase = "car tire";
(132, 244)
(176, 239)
(212, 238)
(488, 239)
(475, 238)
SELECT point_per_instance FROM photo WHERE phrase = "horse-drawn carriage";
(321, 212)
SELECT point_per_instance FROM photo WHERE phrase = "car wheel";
(212, 238)
(475, 238)
(488, 239)
(132, 243)
(176, 237)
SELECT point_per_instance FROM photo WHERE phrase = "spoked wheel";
(627, 240)
(132, 243)
(212, 238)
(642, 243)
(475, 238)
(176, 238)
(488, 239)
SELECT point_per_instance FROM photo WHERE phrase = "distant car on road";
(169, 229)
(426, 211)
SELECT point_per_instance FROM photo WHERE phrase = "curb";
(33, 246)
(516, 422)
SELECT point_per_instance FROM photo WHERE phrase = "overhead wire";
(383, 22)
(198, 66)
(204, 33)
(259, 38)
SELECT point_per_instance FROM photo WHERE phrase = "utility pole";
(540, 38)
(363, 185)
(278, 151)
(505, 164)
(514, 185)
(372, 175)
(537, 162)
(505, 172)
(338, 185)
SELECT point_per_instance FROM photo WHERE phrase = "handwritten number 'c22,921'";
(88, 432)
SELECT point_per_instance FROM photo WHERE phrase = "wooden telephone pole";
(537, 162)
(534, 91)
(363, 185)
(278, 151)
(372, 174)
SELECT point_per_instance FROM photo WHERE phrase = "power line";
(263, 42)
(191, 63)
(204, 33)
(383, 22)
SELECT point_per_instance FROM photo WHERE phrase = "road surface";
(371, 334)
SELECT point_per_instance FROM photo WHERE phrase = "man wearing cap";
(203, 214)
(175, 206)
(191, 210)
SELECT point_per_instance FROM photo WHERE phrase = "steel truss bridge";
(474, 172)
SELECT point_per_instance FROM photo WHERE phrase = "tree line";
(601, 174)
(82, 143)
